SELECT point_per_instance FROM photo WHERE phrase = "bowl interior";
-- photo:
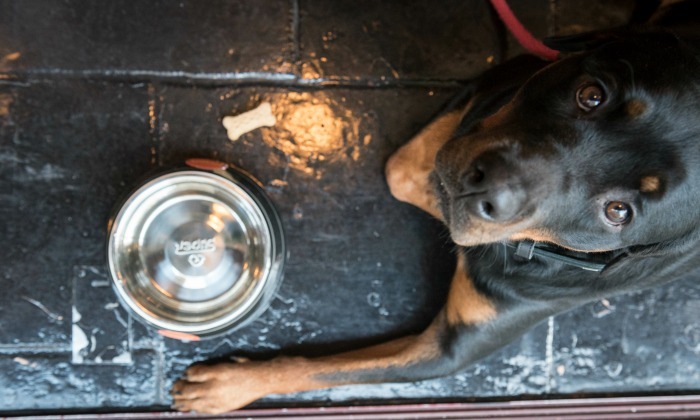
(191, 251)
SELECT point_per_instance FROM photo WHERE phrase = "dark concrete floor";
(93, 95)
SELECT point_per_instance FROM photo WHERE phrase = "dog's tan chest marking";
(397, 353)
(465, 305)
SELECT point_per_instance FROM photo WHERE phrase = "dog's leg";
(471, 325)
(228, 386)
(224, 387)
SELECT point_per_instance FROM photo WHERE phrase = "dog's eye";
(618, 212)
(589, 97)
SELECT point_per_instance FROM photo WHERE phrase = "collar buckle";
(527, 249)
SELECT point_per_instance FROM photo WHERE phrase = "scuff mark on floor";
(52, 315)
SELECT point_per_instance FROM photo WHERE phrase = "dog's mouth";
(443, 197)
(441, 194)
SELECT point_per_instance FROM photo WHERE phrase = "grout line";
(153, 124)
(549, 355)
(229, 78)
(553, 18)
(31, 348)
(149, 75)
(296, 36)
(160, 371)
(155, 109)
(381, 82)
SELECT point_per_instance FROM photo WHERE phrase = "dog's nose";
(493, 189)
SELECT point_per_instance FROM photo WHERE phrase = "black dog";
(581, 178)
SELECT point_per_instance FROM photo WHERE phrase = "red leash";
(523, 36)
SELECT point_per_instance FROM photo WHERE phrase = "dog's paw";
(218, 388)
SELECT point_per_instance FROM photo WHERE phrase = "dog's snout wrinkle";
(470, 194)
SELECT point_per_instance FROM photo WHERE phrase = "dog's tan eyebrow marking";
(635, 107)
(649, 184)
(465, 305)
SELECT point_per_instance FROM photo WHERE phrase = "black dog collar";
(595, 261)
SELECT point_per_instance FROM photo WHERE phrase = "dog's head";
(598, 151)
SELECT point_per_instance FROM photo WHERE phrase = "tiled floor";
(94, 95)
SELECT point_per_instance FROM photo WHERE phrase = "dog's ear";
(585, 41)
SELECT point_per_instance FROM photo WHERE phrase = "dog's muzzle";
(492, 189)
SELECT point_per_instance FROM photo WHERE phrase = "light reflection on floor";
(312, 128)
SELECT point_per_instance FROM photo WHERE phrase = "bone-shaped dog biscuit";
(246, 122)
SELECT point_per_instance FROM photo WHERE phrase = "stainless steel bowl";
(197, 251)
